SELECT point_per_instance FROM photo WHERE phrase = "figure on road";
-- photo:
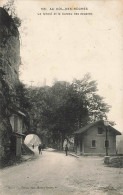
(66, 149)
(40, 149)
(33, 146)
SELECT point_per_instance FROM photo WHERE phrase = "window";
(100, 130)
(106, 143)
(93, 144)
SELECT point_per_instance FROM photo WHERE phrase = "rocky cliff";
(9, 71)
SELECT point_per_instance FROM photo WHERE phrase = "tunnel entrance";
(32, 140)
(30, 144)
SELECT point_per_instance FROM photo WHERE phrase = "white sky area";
(28, 138)
(67, 47)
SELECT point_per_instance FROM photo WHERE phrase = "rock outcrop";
(9, 71)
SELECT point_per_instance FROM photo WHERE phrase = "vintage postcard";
(61, 97)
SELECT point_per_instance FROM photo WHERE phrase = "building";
(95, 139)
(120, 145)
(18, 127)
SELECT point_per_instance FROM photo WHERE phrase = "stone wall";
(114, 161)
(9, 71)
(9, 48)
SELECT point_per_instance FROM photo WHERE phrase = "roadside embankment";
(114, 161)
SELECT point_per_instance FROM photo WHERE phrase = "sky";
(66, 47)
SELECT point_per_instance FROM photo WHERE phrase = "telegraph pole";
(106, 141)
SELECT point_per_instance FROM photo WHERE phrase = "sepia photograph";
(61, 97)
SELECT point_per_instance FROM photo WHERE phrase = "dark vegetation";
(11, 10)
(56, 112)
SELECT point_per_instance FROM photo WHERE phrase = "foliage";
(10, 8)
(22, 96)
(22, 101)
(63, 108)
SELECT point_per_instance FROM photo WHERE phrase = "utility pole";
(106, 141)
(106, 144)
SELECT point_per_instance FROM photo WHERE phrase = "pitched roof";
(100, 122)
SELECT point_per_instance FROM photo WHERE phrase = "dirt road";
(54, 173)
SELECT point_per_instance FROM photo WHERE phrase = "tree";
(22, 96)
(60, 110)
(20, 101)
(87, 89)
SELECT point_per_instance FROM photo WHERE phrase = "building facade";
(95, 139)
(18, 127)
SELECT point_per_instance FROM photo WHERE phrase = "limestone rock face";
(9, 71)
(9, 48)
